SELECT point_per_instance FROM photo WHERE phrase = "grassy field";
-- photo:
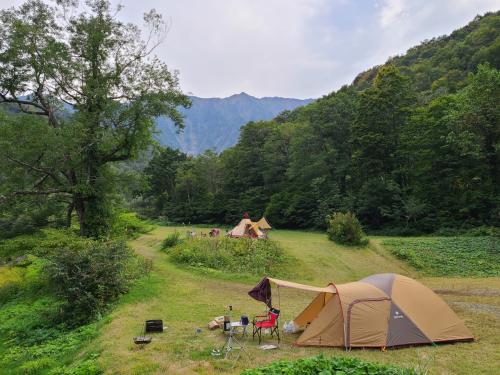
(187, 299)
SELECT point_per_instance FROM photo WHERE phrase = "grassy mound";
(242, 255)
(332, 365)
(449, 256)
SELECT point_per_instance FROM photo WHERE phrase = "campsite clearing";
(187, 299)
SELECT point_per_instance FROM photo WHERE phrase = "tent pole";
(279, 298)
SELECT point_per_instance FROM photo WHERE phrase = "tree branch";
(20, 103)
(14, 194)
(36, 169)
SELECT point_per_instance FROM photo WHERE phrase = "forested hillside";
(412, 145)
(214, 123)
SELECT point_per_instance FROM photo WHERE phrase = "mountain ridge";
(214, 123)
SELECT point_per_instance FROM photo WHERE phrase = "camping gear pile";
(214, 232)
(217, 322)
(384, 310)
(232, 342)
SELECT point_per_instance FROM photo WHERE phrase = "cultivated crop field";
(449, 256)
(187, 298)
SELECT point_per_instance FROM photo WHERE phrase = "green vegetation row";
(450, 256)
(328, 366)
(410, 147)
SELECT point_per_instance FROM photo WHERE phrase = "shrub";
(171, 240)
(332, 365)
(345, 229)
(88, 276)
(483, 231)
(239, 255)
(127, 224)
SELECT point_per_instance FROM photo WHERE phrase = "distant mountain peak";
(214, 123)
(241, 95)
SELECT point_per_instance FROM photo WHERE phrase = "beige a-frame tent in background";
(385, 310)
(250, 229)
(246, 228)
(263, 224)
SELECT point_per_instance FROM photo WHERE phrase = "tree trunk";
(69, 213)
(79, 205)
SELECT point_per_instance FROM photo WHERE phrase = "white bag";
(290, 327)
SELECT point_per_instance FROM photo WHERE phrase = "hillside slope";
(214, 123)
(441, 64)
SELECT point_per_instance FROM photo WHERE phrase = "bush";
(239, 255)
(483, 231)
(172, 240)
(332, 365)
(128, 225)
(345, 229)
(89, 275)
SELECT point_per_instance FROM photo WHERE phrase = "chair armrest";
(255, 320)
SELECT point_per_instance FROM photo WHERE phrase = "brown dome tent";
(384, 310)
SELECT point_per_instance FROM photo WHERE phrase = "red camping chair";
(270, 322)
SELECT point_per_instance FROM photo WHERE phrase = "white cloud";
(294, 48)
(391, 11)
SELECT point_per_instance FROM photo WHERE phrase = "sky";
(291, 48)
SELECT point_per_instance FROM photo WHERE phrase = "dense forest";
(411, 145)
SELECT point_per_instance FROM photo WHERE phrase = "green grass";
(187, 298)
(449, 256)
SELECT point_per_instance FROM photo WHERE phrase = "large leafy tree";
(98, 86)
(384, 109)
(161, 174)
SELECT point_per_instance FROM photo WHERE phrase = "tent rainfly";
(384, 310)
